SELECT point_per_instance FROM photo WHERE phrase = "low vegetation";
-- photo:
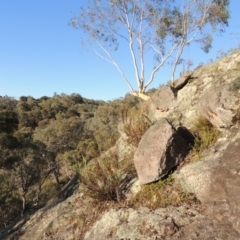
(106, 178)
(135, 124)
(44, 142)
(161, 194)
(205, 136)
(47, 141)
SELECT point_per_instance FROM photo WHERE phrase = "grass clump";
(161, 194)
(205, 135)
(135, 125)
(106, 178)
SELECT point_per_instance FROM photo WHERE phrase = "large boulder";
(160, 150)
(216, 182)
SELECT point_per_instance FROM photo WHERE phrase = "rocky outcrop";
(212, 91)
(221, 105)
(183, 107)
(62, 220)
(208, 229)
(216, 182)
(183, 80)
(142, 224)
(164, 99)
(160, 150)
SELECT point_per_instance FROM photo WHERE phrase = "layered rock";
(221, 105)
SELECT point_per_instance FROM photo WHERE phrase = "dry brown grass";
(106, 178)
(161, 194)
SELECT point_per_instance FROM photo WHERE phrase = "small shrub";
(135, 125)
(161, 194)
(50, 189)
(106, 178)
(205, 135)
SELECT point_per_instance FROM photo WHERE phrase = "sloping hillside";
(184, 144)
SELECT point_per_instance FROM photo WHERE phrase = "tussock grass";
(105, 178)
(135, 125)
(205, 136)
(161, 194)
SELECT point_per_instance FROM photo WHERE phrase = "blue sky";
(40, 54)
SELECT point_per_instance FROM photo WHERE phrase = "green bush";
(205, 135)
(10, 200)
(106, 178)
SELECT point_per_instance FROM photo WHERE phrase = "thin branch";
(133, 14)
(118, 34)
(141, 48)
(101, 56)
(179, 53)
(200, 26)
(157, 51)
(182, 44)
(159, 65)
(112, 60)
(131, 48)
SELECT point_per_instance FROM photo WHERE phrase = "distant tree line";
(44, 142)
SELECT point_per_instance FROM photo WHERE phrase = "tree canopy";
(161, 28)
(45, 142)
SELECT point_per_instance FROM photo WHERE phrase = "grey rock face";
(142, 224)
(208, 229)
(164, 99)
(51, 222)
(160, 149)
(183, 80)
(216, 182)
(221, 105)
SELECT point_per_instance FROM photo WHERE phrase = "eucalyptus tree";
(157, 28)
(25, 172)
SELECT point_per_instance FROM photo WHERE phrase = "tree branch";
(112, 60)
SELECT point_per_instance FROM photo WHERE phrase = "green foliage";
(161, 194)
(104, 125)
(106, 119)
(49, 190)
(8, 121)
(8, 146)
(105, 178)
(88, 149)
(61, 134)
(205, 135)
(44, 142)
(10, 202)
